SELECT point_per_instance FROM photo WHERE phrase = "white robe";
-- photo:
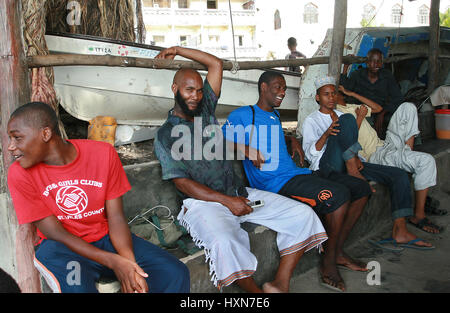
(395, 152)
(227, 246)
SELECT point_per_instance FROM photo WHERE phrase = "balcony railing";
(165, 16)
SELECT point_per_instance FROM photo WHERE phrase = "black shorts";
(325, 195)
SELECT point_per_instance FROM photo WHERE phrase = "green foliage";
(444, 18)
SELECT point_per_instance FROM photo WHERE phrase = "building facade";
(203, 24)
(261, 27)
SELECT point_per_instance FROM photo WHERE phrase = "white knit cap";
(325, 80)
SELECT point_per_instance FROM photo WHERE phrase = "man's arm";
(120, 235)
(296, 148)
(123, 268)
(371, 104)
(214, 64)
(237, 205)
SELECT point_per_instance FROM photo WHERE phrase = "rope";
(235, 67)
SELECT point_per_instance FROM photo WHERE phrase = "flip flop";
(432, 207)
(425, 222)
(412, 244)
(388, 244)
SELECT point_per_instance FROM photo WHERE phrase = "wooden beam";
(338, 39)
(14, 91)
(433, 66)
(108, 60)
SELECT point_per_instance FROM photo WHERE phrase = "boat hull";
(142, 96)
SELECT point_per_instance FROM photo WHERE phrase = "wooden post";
(14, 91)
(337, 42)
(433, 66)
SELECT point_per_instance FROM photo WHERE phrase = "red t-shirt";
(75, 193)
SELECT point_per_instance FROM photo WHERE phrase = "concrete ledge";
(149, 190)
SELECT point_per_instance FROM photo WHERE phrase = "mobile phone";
(256, 204)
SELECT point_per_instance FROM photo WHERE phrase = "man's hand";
(238, 206)
(255, 156)
(168, 53)
(130, 275)
(361, 111)
(332, 131)
(297, 148)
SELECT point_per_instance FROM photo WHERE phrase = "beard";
(184, 107)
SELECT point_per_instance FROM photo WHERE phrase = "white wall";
(309, 36)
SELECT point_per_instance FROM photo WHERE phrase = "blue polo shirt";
(267, 137)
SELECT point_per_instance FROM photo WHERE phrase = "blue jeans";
(345, 146)
(165, 272)
(397, 181)
(341, 147)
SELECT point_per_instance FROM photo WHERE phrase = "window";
(183, 4)
(249, 5)
(160, 3)
(368, 13)
(214, 39)
(158, 40)
(211, 4)
(424, 15)
(311, 14)
(277, 20)
(184, 40)
(396, 14)
(239, 40)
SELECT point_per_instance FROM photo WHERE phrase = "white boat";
(141, 96)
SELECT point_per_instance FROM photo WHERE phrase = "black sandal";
(426, 223)
(432, 207)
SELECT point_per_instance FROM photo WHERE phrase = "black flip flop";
(432, 207)
(426, 223)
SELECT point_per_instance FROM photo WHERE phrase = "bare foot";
(270, 287)
(351, 264)
(425, 225)
(352, 166)
(405, 237)
(331, 279)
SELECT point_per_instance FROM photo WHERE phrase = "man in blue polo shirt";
(256, 131)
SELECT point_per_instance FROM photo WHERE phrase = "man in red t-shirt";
(71, 190)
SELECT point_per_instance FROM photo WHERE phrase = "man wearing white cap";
(330, 139)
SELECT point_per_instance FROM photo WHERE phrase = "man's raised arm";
(214, 64)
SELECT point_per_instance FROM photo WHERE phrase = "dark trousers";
(77, 274)
(341, 147)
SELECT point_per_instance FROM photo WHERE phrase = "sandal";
(432, 207)
(425, 222)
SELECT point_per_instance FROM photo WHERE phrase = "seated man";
(377, 84)
(329, 139)
(71, 190)
(340, 202)
(396, 150)
(215, 201)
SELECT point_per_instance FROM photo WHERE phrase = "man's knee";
(333, 197)
(347, 119)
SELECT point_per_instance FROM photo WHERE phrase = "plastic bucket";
(102, 128)
(442, 118)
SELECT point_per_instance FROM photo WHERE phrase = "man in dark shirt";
(377, 84)
(189, 146)
(294, 54)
